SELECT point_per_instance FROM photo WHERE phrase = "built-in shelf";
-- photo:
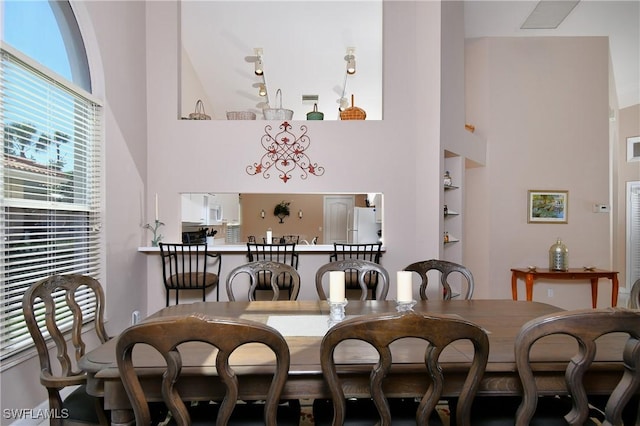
(451, 213)
(446, 187)
(452, 240)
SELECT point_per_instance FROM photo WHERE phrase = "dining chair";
(380, 331)
(224, 335)
(371, 252)
(281, 253)
(361, 272)
(265, 271)
(51, 311)
(585, 327)
(188, 267)
(450, 273)
(634, 295)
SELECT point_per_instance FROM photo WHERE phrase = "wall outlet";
(601, 208)
(549, 292)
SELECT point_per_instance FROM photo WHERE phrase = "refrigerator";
(362, 226)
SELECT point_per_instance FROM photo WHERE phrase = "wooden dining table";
(303, 324)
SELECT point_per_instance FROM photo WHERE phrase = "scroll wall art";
(285, 154)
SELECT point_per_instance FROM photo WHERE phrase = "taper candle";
(336, 286)
(157, 206)
(405, 290)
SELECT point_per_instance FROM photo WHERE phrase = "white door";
(337, 210)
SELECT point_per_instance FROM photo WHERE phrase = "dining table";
(303, 324)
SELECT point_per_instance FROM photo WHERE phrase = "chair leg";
(167, 292)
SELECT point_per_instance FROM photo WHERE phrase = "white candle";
(269, 236)
(156, 206)
(405, 290)
(336, 286)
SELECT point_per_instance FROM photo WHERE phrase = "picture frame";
(633, 149)
(548, 206)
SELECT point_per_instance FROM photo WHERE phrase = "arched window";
(51, 170)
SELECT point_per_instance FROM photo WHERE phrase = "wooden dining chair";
(265, 271)
(584, 326)
(380, 331)
(224, 335)
(51, 311)
(361, 272)
(634, 295)
(371, 252)
(189, 267)
(282, 253)
(448, 271)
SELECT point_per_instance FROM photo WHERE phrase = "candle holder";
(336, 312)
(156, 236)
(405, 306)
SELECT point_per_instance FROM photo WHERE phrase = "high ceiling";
(619, 20)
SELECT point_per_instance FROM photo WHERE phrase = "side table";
(530, 275)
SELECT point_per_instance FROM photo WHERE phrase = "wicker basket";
(241, 115)
(278, 113)
(353, 112)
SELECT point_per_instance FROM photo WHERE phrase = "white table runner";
(300, 325)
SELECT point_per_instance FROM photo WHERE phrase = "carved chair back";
(447, 271)
(264, 271)
(361, 272)
(380, 331)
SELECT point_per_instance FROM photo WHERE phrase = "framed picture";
(548, 206)
(633, 149)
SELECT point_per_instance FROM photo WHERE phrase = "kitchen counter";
(242, 248)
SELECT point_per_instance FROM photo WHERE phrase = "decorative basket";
(353, 112)
(241, 115)
(315, 114)
(278, 113)
(199, 113)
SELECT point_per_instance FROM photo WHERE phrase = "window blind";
(51, 182)
(633, 232)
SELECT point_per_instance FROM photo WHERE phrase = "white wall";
(542, 104)
(386, 156)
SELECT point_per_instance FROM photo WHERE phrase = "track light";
(259, 69)
(263, 90)
(351, 61)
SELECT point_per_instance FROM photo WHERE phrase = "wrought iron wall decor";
(285, 152)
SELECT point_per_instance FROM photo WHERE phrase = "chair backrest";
(585, 326)
(447, 270)
(380, 331)
(371, 252)
(47, 292)
(363, 270)
(263, 271)
(634, 296)
(282, 253)
(189, 267)
(224, 334)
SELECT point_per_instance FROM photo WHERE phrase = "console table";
(530, 275)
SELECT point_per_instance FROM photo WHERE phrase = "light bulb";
(263, 90)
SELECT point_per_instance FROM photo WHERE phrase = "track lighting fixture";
(351, 61)
(259, 69)
(263, 90)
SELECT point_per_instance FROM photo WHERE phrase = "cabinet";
(195, 208)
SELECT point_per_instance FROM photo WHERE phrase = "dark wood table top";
(501, 318)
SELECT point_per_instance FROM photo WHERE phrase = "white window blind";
(50, 180)
(633, 232)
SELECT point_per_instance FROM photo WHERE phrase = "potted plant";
(281, 210)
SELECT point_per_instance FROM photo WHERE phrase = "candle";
(269, 236)
(336, 286)
(405, 290)
(156, 206)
